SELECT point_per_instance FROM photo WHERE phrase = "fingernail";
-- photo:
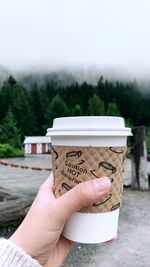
(102, 184)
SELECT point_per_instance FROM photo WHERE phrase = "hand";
(40, 232)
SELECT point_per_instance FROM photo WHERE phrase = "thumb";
(81, 195)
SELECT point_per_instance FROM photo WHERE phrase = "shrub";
(6, 150)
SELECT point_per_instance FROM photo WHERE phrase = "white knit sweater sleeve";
(14, 256)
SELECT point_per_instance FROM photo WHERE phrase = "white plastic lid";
(89, 125)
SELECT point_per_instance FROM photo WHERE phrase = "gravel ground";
(132, 249)
(24, 181)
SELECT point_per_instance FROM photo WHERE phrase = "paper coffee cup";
(85, 148)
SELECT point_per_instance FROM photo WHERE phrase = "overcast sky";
(51, 33)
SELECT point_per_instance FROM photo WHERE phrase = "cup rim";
(89, 126)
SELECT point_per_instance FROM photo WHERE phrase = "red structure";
(37, 144)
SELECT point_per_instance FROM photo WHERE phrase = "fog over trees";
(29, 105)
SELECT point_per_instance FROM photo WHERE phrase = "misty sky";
(57, 33)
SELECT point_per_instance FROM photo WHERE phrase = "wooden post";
(139, 159)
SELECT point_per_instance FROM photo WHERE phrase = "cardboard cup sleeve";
(73, 165)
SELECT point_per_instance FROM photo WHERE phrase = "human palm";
(40, 233)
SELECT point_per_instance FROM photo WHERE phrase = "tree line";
(30, 111)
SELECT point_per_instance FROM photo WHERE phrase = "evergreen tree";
(13, 96)
(57, 108)
(95, 106)
(23, 111)
(39, 101)
(6, 96)
(9, 133)
(77, 111)
(112, 110)
(35, 109)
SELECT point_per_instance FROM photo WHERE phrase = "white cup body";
(90, 227)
